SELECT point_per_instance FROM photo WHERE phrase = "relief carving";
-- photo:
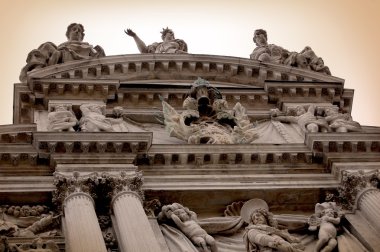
(327, 216)
(38, 245)
(62, 118)
(169, 45)
(262, 233)
(105, 224)
(306, 59)
(28, 221)
(305, 119)
(340, 122)
(187, 222)
(207, 119)
(49, 54)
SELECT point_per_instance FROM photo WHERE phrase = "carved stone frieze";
(37, 245)
(207, 119)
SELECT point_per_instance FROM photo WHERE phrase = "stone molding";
(135, 66)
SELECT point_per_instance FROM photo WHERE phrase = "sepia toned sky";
(345, 33)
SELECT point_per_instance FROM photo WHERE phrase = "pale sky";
(345, 33)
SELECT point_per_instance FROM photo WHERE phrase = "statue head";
(167, 34)
(182, 214)
(260, 37)
(75, 32)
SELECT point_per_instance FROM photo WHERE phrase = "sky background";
(345, 33)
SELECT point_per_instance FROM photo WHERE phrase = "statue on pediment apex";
(49, 54)
(306, 59)
(169, 43)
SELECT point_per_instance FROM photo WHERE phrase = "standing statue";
(305, 119)
(262, 233)
(49, 54)
(187, 222)
(326, 217)
(169, 45)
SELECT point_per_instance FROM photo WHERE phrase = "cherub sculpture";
(186, 221)
(326, 217)
(262, 233)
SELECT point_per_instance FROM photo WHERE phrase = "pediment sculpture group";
(74, 48)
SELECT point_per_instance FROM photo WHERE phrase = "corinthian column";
(369, 203)
(82, 230)
(134, 230)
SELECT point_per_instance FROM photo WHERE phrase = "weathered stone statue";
(306, 59)
(340, 122)
(326, 217)
(169, 45)
(49, 54)
(306, 120)
(62, 119)
(37, 246)
(75, 48)
(187, 222)
(94, 119)
(262, 233)
(267, 52)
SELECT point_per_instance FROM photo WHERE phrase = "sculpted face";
(169, 36)
(259, 38)
(300, 110)
(182, 214)
(258, 218)
(76, 33)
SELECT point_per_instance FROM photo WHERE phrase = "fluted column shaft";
(136, 234)
(369, 204)
(82, 227)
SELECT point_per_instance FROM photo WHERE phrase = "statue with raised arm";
(169, 43)
(327, 216)
(262, 233)
(186, 221)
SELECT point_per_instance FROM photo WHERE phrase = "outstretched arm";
(140, 44)
(177, 221)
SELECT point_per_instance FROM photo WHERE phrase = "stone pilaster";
(82, 230)
(134, 230)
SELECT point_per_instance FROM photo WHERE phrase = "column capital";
(353, 183)
(95, 184)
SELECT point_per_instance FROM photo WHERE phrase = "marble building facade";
(172, 151)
